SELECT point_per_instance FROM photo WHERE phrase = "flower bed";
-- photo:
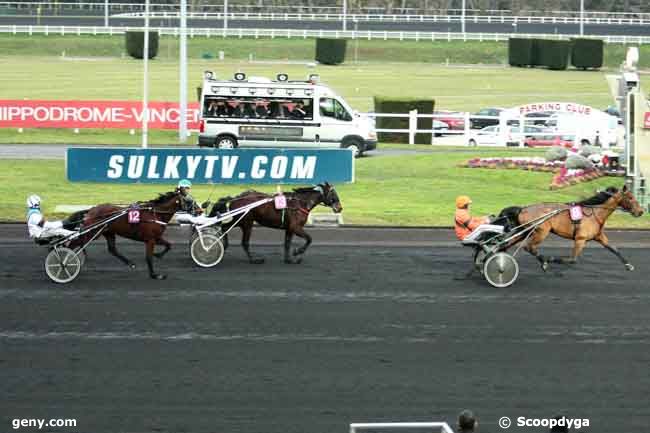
(563, 177)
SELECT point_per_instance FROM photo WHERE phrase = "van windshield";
(330, 107)
(258, 108)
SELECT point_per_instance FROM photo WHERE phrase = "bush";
(578, 161)
(520, 52)
(403, 106)
(587, 53)
(135, 44)
(330, 51)
(587, 151)
(556, 153)
(554, 54)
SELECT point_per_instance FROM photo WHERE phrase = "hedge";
(135, 44)
(520, 52)
(403, 106)
(330, 51)
(587, 53)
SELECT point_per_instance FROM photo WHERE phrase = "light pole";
(582, 17)
(345, 15)
(145, 87)
(462, 17)
(182, 124)
(225, 14)
(105, 13)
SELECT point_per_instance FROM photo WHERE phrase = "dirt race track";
(366, 329)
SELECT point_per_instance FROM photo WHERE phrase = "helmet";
(185, 184)
(33, 201)
(462, 201)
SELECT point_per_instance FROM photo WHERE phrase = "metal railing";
(304, 34)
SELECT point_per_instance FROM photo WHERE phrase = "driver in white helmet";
(38, 227)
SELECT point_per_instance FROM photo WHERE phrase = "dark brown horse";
(292, 220)
(596, 210)
(146, 225)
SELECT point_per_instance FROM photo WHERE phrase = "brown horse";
(596, 210)
(147, 225)
(292, 220)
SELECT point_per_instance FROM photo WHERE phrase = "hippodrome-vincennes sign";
(243, 166)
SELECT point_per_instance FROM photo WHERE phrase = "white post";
(413, 125)
(145, 91)
(345, 15)
(462, 18)
(182, 124)
(105, 13)
(582, 17)
(225, 15)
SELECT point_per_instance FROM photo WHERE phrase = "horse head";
(629, 203)
(168, 202)
(329, 197)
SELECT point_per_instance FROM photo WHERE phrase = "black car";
(613, 111)
(482, 122)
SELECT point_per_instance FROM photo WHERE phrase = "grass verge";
(409, 190)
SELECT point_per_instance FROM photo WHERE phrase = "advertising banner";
(93, 114)
(228, 166)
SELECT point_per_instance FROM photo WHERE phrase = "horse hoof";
(131, 265)
(298, 252)
(629, 266)
(545, 266)
(159, 276)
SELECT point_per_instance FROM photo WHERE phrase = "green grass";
(283, 49)
(412, 190)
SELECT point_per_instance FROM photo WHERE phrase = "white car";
(488, 136)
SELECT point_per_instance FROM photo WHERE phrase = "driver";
(464, 222)
(193, 211)
(38, 227)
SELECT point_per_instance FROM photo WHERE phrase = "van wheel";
(472, 143)
(584, 142)
(354, 146)
(226, 142)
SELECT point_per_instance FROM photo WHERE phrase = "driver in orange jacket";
(464, 222)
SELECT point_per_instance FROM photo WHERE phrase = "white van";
(599, 128)
(260, 112)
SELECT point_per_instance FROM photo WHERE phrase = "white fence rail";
(304, 34)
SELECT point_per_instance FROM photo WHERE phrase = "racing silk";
(39, 228)
(189, 205)
(465, 224)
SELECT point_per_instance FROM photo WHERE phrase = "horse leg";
(110, 241)
(247, 230)
(150, 245)
(533, 244)
(168, 246)
(300, 232)
(288, 236)
(604, 241)
(578, 246)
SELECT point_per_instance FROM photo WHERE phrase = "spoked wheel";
(62, 265)
(501, 269)
(208, 253)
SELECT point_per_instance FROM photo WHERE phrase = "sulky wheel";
(62, 265)
(207, 253)
(501, 269)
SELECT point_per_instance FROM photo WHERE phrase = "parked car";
(549, 140)
(482, 122)
(490, 136)
(454, 119)
(440, 128)
(538, 118)
(613, 111)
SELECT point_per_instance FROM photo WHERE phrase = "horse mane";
(162, 198)
(599, 198)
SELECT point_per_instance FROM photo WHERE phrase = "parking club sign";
(227, 166)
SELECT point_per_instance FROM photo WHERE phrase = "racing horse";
(595, 212)
(292, 219)
(141, 221)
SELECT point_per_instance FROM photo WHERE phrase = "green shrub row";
(403, 106)
(555, 54)
(135, 44)
(330, 51)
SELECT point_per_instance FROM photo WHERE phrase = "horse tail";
(510, 217)
(73, 222)
(221, 206)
